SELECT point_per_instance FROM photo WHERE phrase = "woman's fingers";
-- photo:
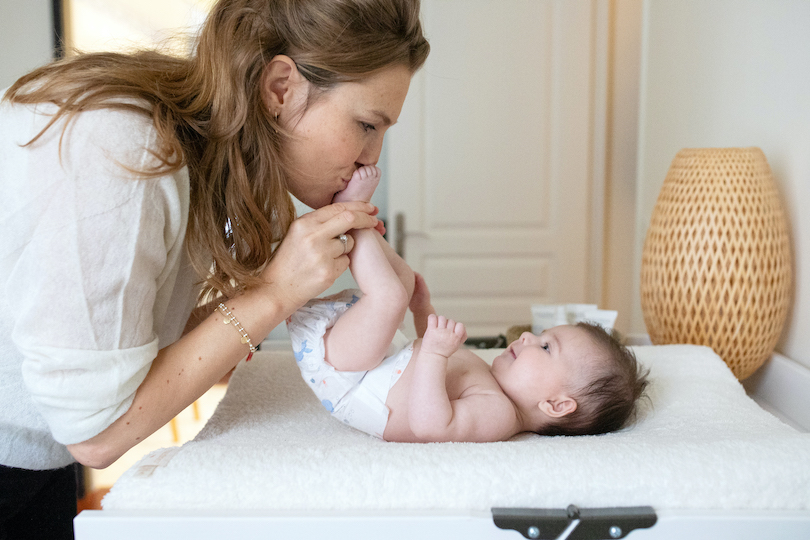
(340, 218)
(336, 220)
(345, 243)
(380, 227)
(328, 212)
(312, 254)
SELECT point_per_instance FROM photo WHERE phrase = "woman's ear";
(557, 408)
(281, 84)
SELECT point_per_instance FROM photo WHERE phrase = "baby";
(572, 380)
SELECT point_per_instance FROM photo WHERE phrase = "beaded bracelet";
(230, 319)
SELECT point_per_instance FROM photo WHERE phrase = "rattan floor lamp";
(716, 267)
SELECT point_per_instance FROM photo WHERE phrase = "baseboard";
(782, 386)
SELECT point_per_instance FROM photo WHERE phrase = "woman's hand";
(311, 256)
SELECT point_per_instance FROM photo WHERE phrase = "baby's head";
(608, 397)
(571, 380)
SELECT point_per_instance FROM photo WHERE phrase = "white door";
(495, 162)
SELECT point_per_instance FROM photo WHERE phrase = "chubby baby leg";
(361, 187)
(361, 337)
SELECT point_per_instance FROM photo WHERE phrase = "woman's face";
(340, 131)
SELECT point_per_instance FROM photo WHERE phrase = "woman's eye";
(367, 127)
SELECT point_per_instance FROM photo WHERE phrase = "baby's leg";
(360, 338)
(403, 271)
(361, 187)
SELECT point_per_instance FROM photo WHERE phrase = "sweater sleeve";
(98, 246)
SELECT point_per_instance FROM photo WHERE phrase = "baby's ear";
(559, 407)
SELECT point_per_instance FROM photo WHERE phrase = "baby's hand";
(443, 336)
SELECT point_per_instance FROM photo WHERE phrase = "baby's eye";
(545, 346)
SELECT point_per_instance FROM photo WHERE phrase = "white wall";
(730, 73)
(26, 28)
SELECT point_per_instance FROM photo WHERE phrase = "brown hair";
(609, 400)
(209, 114)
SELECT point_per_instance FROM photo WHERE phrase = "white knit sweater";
(93, 273)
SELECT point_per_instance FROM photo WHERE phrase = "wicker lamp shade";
(716, 266)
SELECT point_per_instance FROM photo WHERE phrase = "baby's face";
(548, 366)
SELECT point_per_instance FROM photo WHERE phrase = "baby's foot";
(361, 186)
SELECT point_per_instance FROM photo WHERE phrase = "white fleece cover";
(700, 444)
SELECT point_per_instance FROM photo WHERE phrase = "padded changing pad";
(700, 443)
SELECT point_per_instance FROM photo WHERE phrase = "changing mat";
(700, 443)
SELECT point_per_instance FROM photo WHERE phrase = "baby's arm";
(481, 414)
(429, 409)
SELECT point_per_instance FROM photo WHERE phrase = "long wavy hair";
(210, 117)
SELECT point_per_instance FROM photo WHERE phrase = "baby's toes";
(361, 186)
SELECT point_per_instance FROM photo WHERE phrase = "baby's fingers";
(432, 321)
(456, 329)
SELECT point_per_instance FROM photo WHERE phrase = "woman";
(137, 185)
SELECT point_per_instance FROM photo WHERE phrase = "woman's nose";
(370, 154)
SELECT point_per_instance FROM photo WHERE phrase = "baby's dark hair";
(607, 402)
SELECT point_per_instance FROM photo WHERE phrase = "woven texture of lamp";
(716, 267)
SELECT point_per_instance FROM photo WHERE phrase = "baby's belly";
(398, 427)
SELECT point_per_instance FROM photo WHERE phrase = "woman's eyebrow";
(382, 116)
